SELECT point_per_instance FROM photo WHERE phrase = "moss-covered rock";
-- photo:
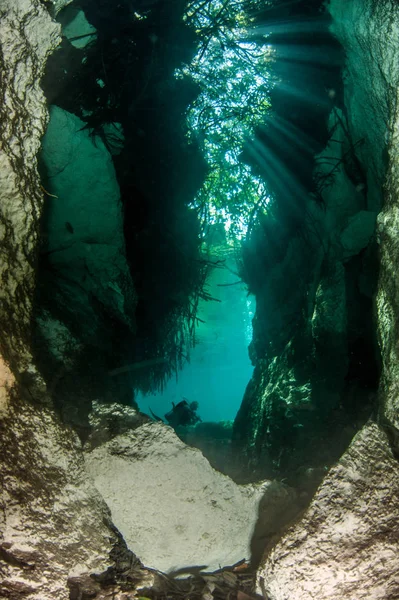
(308, 263)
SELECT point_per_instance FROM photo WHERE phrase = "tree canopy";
(231, 69)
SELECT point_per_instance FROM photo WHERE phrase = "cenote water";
(191, 167)
(197, 197)
(140, 162)
(219, 368)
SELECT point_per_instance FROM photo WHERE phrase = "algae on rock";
(346, 543)
(312, 265)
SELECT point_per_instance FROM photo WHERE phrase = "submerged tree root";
(236, 582)
(230, 583)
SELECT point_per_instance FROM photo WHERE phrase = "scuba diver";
(181, 415)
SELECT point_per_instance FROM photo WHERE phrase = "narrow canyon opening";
(194, 166)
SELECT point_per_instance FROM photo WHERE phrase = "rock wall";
(174, 510)
(36, 334)
(85, 299)
(27, 37)
(313, 268)
(55, 529)
(371, 98)
(83, 228)
(387, 297)
(56, 536)
(346, 544)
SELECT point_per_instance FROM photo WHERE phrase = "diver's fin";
(155, 416)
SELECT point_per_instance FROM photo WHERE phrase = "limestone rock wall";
(83, 279)
(55, 529)
(83, 228)
(346, 545)
(387, 297)
(371, 99)
(173, 509)
(37, 333)
(384, 35)
(27, 37)
(316, 370)
(368, 31)
(314, 347)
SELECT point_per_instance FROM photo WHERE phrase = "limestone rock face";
(369, 32)
(83, 224)
(388, 228)
(27, 37)
(358, 232)
(375, 26)
(59, 4)
(347, 543)
(53, 525)
(174, 510)
(388, 295)
(109, 420)
(83, 279)
(316, 359)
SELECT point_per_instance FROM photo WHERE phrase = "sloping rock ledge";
(172, 508)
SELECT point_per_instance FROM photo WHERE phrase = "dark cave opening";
(313, 349)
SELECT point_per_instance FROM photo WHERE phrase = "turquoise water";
(219, 367)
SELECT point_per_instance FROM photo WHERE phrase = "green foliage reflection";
(231, 69)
